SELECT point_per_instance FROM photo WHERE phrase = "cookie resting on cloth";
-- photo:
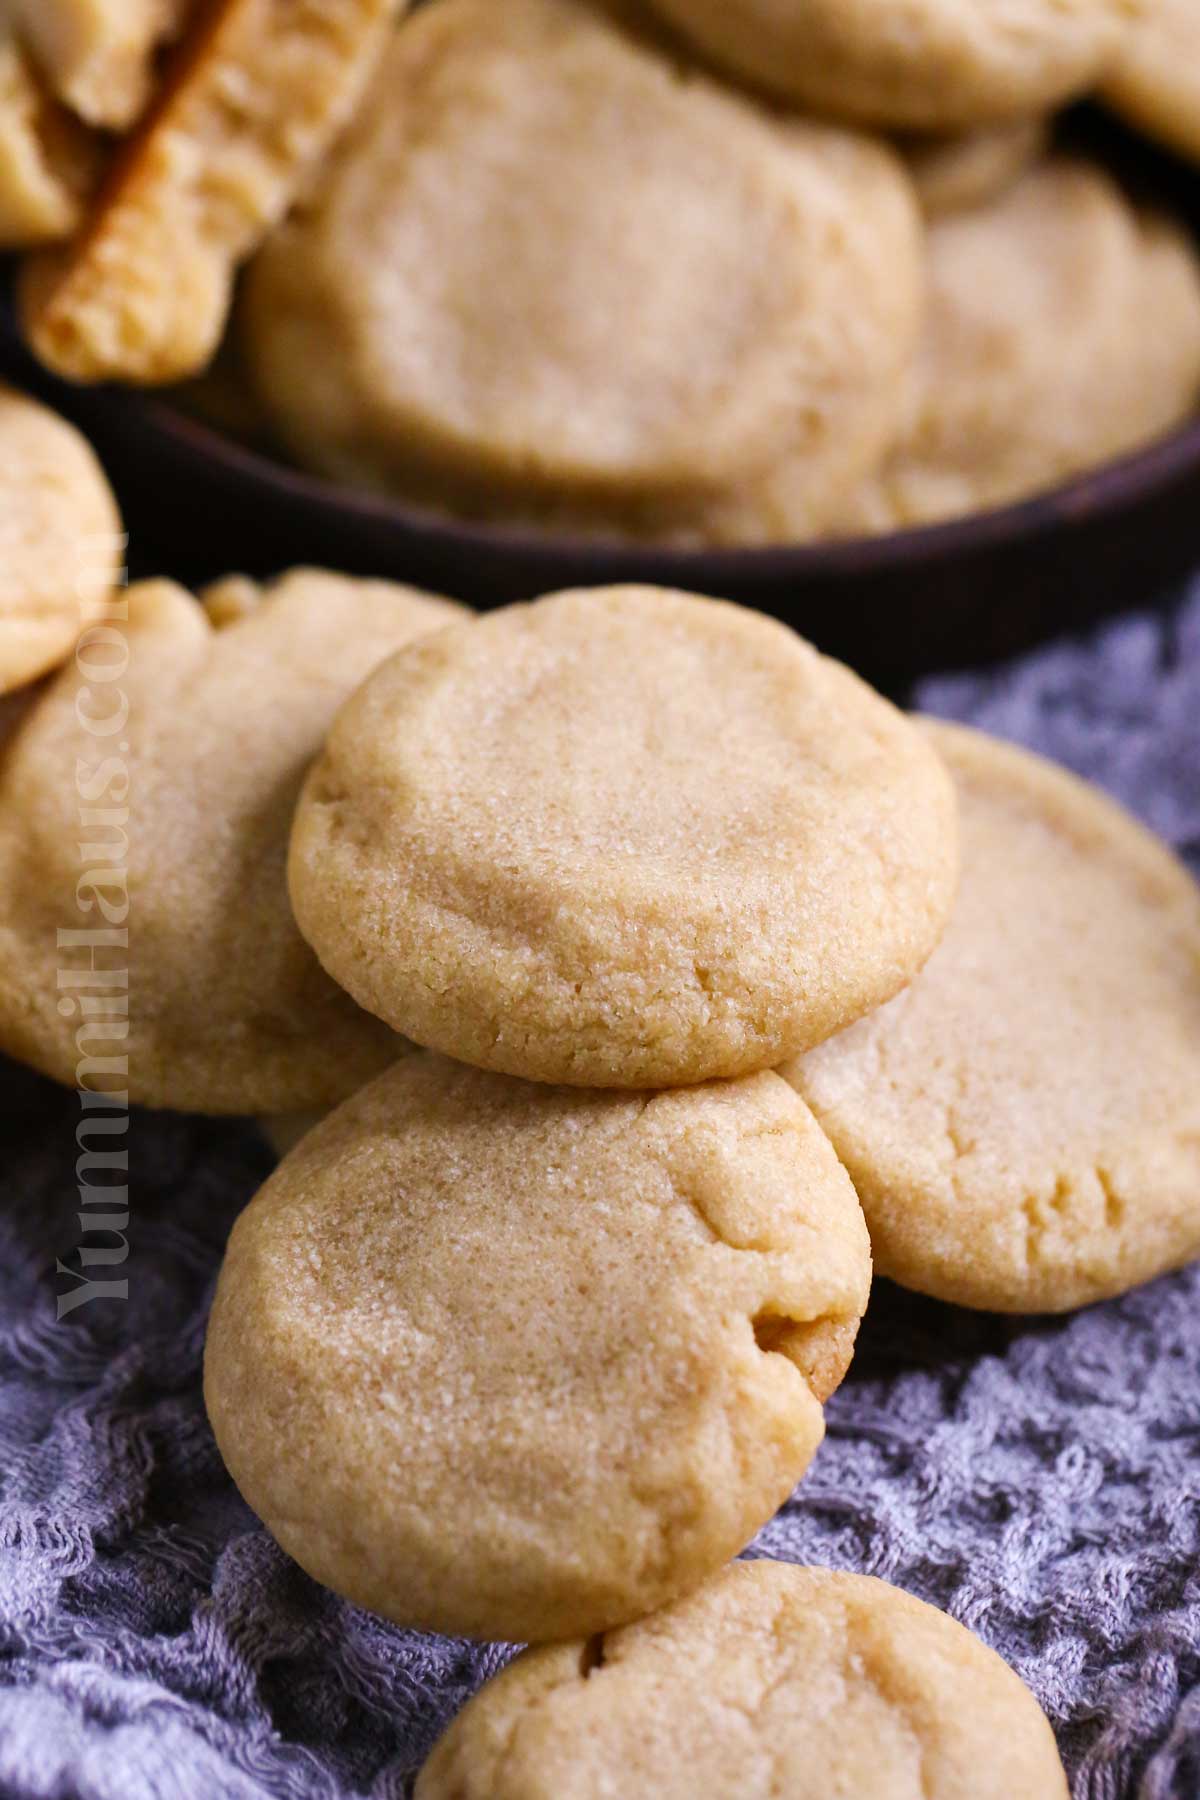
(696, 332)
(1023, 1124)
(622, 837)
(185, 741)
(772, 1682)
(522, 1362)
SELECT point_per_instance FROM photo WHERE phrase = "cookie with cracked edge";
(525, 1362)
(770, 1681)
(209, 715)
(1023, 1124)
(622, 837)
(256, 96)
(929, 65)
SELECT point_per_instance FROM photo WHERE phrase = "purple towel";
(1041, 1481)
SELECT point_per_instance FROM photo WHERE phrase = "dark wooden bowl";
(199, 504)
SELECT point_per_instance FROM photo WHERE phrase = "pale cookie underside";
(771, 1680)
(929, 65)
(768, 273)
(622, 838)
(1023, 1123)
(527, 1361)
(259, 93)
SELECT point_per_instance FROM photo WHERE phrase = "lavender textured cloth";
(1040, 1480)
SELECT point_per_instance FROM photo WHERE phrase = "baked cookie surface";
(771, 1681)
(622, 837)
(1023, 1124)
(696, 332)
(524, 1362)
(49, 163)
(954, 173)
(98, 55)
(206, 736)
(61, 545)
(258, 92)
(1040, 359)
(926, 65)
(1155, 81)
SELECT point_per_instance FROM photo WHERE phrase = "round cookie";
(770, 1681)
(1038, 360)
(1155, 82)
(622, 838)
(61, 544)
(968, 169)
(697, 332)
(929, 65)
(149, 795)
(525, 1362)
(1023, 1124)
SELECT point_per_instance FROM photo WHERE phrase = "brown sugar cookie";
(1023, 1124)
(61, 545)
(966, 169)
(622, 837)
(770, 1681)
(184, 738)
(526, 1362)
(1155, 81)
(98, 55)
(696, 332)
(257, 95)
(1063, 330)
(929, 65)
(49, 163)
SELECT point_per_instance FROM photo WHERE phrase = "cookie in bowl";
(522, 1362)
(1063, 331)
(257, 93)
(696, 332)
(930, 65)
(622, 837)
(184, 736)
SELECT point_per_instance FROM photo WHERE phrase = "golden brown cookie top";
(190, 744)
(696, 329)
(624, 838)
(522, 1361)
(1023, 1124)
(771, 1680)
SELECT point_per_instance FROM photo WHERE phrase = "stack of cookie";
(667, 950)
(680, 272)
